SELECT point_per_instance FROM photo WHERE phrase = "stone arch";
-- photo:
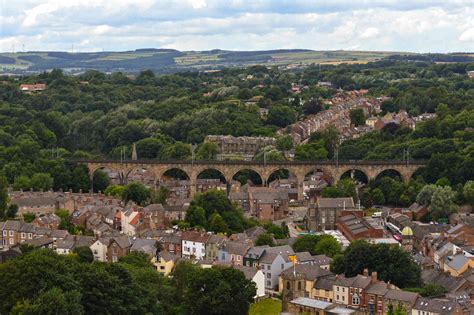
(272, 174)
(326, 174)
(262, 178)
(214, 169)
(360, 173)
(171, 168)
(145, 174)
(119, 179)
(392, 172)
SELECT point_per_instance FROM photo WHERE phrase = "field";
(168, 60)
(266, 307)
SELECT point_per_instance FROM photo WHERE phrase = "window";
(355, 299)
(337, 297)
(269, 275)
(12, 241)
(343, 298)
(282, 266)
(269, 283)
(4, 233)
(23, 235)
(337, 289)
(11, 233)
(30, 235)
(288, 285)
(343, 290)
(299, 285)
(268, 267)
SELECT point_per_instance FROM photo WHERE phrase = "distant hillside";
(170, 60)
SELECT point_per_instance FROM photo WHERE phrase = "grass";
(266, 307)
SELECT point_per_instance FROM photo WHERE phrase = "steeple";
(134, 152)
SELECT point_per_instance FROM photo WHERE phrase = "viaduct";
(228, 169)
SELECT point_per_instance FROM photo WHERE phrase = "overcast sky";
(96, 25)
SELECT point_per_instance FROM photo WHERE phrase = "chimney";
(374, 276)
(366, 272)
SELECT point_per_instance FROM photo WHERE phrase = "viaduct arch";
(229, 168)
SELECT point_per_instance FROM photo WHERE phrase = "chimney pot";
(374, 276)
(366, 272)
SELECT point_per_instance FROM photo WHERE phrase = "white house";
(257, 277)
(130, 219)
(193, 244)
(272, 263)
(99, 249)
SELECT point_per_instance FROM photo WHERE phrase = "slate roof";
(325, 283)
(249, 272)
(236, 248)
(457, 262)
(452, 284)
(399, 295)
(442, 306)
(303, 301)
(147, 246)
(40, 241)
(309, 272)
(167, 256)
(335, 202)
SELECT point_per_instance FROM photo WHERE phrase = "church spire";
(134, 152)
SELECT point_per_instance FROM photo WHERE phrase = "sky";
(118, 25)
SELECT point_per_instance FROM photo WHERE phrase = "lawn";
(266, 307)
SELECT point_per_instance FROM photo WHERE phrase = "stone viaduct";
(229, 169)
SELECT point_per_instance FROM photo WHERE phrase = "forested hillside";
(98, 115)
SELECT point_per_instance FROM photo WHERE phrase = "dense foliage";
(390, 262)
(42, 282)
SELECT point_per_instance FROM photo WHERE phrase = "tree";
(12, 210)
(377, 196)
(29, 217)
(468, 192)
(284, 143)
(391, 263)
(114, 190)
(196, 216)
(312, 107)
(136, 192)
(217, 224)
(218, 290)
(84, 254)
(265, 239)
(150, 148)
(207, 151)
(328, 246)
(442, 203)
(425, 194)
(306, 243)
(160, 196)
(281, 115)
(176, 151)
(100, 181)
(41, 181)
(22, 182)
(3, 195)
(357, 117)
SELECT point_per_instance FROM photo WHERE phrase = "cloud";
(467, 35)
(418, 26)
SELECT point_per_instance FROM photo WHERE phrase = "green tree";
(442, 203)
(281, 115)
(52, 301)
(196, 216)
(115, 190)
(22, 182)
(12, 210)
(284, 143)
(306, 243)
(41, 181)
(136, 192)
(150, 148)
(176, 151)
(100, 181)
(468, 192)
(3, 195)
(161, 196)
(84, 254)
(357, 117)
(377, 196)
(312, 107)
(207, 151)
(265, 239)
(217, 224)
(29, 217)
(328, 246)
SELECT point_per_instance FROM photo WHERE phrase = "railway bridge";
(333, 170)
